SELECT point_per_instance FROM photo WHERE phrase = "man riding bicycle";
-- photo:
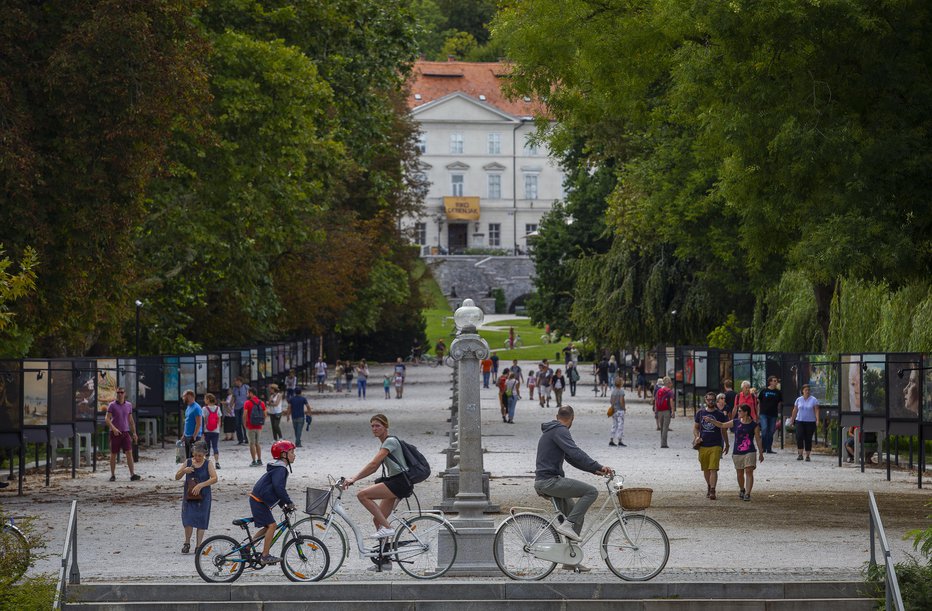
(269, 491)
(556, 445)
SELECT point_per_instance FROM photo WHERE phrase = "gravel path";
(807, 520)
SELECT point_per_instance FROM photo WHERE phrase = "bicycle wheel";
(14, 552)
(424, 546)
(305, 559)
(334, 539)
(219, 559)
(635, 548)
(513, 542)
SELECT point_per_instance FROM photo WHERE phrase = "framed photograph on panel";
(200, 375)
(150, 385)
(702, 369)
(35, 393)
(904, 383)
(11, 413)
(171, 379)
(187, 373)
(213, 373)
(106, 384)
(874, 384)
(927, 388)
(850, 373)
(126, 377)
(61, 406)
(85, 390)
(741, 368)
(254, 374)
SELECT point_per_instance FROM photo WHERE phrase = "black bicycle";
(222, 559)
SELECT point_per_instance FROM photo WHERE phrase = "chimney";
(451, 58)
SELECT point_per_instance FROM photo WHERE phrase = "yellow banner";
(461, 208)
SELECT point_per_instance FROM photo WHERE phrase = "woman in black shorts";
(380, 498)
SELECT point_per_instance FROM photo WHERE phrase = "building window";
(530, 228)
(530, 148)
(421, 143)
(495, 186)
(530, 186)
(495, 234)
(456, 185)
(495, 144)
(456, 144)
(420, 234)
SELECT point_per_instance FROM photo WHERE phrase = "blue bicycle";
(222, 559)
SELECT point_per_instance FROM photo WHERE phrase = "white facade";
(472, 149)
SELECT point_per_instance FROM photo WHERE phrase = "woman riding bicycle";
(380, 498)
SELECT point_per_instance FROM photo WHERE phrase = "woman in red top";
(745, 397)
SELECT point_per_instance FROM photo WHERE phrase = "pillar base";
(451, 487)
(474, 538)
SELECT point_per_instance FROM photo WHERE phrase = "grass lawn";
(440, 324)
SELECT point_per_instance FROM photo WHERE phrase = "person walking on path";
(495, 360)
(348, 370)
(512, 394)
(387, 386)
(379, 499)
(320, 368)
(193, 421)
(291, 382)
(531, 383)
(486, 366)
(612, 371)
(663, 403)
(730, 395)
(572, 374)
(212, 416)
(743, 455)
(617, 403)
(771, 403)
(362, 378)
(398, 379)
(240, 395)
(806, 417)
(544, 378)
(299, 411)
(558, 384)
(640, 382)
(602, 372)
(574, 497)
(255, 420)
(502, 399)
(229, 418)
(339, 371)
(199, 474)
(119, 421)
(516, 369)
(712, 444)
(745, 397)
(276, 407)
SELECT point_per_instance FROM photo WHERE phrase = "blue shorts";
(261, 514)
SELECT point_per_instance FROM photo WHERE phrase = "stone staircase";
(478, 595)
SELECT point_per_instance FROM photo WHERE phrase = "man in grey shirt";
(240, 394)
(556, 445)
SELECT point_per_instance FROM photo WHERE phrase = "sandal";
(712, 494)
(186, 548)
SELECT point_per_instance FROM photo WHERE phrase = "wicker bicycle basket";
(317, 500)
(635, 499)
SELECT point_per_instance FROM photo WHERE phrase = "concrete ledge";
(465, 591)
(839, 604)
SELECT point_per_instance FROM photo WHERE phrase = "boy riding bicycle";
(269, 491)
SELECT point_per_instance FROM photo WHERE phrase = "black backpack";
(257, 414)
(418, 467)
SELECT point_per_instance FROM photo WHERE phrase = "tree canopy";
(751, 140)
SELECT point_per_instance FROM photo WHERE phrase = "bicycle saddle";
(241, 521)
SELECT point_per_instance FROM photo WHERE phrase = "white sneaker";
(383, 533)
(565, 528)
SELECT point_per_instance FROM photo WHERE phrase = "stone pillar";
(475, 532)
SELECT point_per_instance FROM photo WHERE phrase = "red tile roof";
(434, 80)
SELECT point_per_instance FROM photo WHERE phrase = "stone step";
(478, 594)
(682, 604)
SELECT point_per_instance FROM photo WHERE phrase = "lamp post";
(138, 307)
(475, 532)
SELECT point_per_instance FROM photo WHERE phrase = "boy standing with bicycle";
(269, 491)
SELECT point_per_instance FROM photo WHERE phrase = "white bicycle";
(424, 545)
(634, 546)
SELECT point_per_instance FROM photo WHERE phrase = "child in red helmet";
(270, 490)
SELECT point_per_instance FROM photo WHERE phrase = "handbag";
(611, 411)
(189, 494)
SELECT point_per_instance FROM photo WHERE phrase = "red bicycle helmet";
(281, 447)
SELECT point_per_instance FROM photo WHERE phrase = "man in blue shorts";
(271, 490)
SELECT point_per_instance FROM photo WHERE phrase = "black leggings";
(804, 433)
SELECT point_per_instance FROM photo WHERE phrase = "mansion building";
(489, 184)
